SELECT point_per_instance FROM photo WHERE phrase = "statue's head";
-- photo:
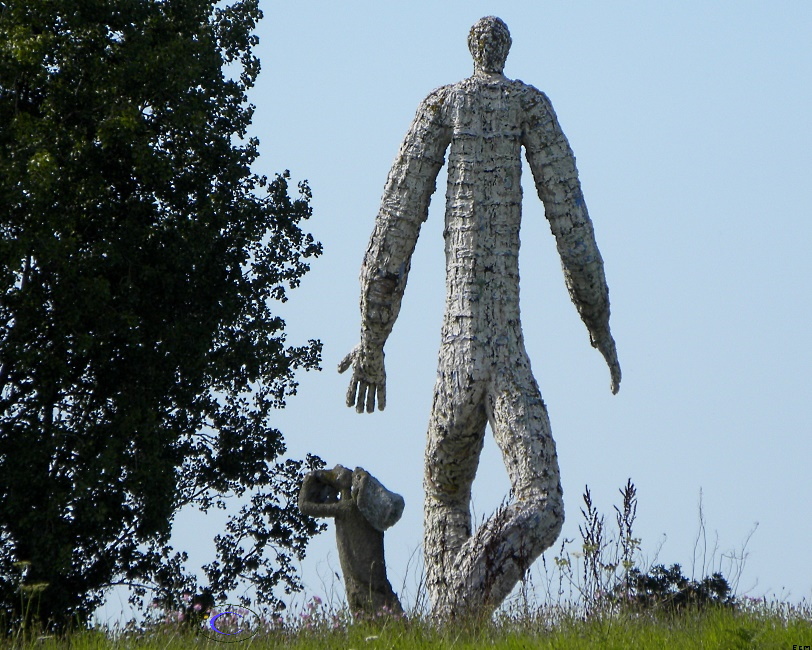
(489, 43)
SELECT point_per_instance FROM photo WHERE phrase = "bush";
(666, 589)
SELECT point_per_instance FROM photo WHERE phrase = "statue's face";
(489, 43)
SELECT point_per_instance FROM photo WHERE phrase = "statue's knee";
(555, 506)
(558, 516)
(548, 515)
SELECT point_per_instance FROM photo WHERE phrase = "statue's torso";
(483, 209)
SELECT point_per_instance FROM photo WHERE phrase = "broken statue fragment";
(363, 509)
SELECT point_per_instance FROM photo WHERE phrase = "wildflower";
(198, 607)
(187, 597)
(272, 623)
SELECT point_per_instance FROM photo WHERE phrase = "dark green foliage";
(140, 361)
(667, 590)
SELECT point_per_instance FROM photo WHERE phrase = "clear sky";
(691, 126)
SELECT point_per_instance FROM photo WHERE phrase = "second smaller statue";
(363, 509)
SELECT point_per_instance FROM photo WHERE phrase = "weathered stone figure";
(484, 373)
(362, 509)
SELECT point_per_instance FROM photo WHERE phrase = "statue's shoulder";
(529, 96)
(442, 91)
(438, 95)
(435, 102)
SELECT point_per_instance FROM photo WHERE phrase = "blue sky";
(691, 126)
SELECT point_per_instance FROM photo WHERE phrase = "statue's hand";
(606, 345)
(368, 378)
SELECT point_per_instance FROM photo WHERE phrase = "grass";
(594, 596)
(760, 625)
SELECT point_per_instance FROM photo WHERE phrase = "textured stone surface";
(484, 374)
(362, 509)
(380, 507)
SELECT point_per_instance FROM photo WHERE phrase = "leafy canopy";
(140, 360)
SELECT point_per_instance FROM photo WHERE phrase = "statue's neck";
(487, 75)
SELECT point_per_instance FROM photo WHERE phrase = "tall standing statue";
(484, 373)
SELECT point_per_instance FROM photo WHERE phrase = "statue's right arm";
(385, 269)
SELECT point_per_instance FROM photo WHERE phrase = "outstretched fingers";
(362, 395)
(362, 391)
(370, 398)
(352, 390)
(365, 400)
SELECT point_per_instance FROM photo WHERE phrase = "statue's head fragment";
(489, 43)
(380, 507)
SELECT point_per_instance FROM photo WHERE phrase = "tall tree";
(140, 359)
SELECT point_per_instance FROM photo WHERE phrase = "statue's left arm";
(556, 177)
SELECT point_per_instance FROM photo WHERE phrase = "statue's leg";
(504, 547)
(455, 437)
